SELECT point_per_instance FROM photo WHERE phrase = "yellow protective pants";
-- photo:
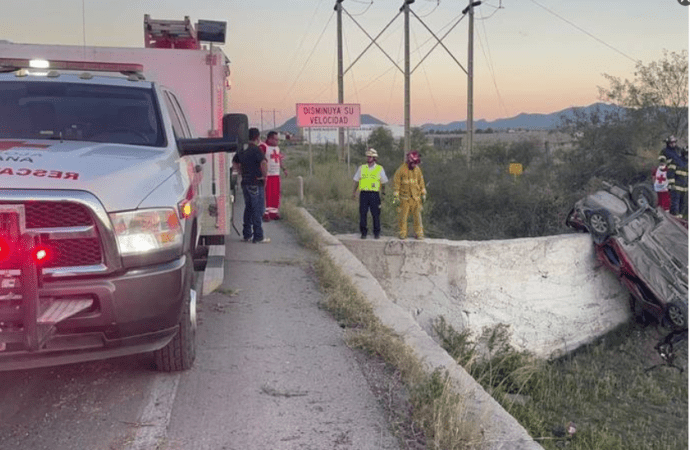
(410, 206)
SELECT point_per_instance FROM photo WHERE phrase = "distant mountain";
(524, 120)
(291, 125)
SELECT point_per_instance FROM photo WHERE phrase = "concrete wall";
(551, 290)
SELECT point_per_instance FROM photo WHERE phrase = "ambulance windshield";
(82, 112)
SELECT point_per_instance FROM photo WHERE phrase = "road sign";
(328, 115)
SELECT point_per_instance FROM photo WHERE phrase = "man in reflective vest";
(370, 179)
(409, 192)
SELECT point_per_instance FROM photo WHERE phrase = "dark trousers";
(679, 202)
(254, 204)
(369, 201)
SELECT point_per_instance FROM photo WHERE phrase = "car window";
(181, 116)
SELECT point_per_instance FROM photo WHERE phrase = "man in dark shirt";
(253, 167)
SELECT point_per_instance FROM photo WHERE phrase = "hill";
(523, 120)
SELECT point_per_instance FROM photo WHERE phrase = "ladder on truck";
(170, 33)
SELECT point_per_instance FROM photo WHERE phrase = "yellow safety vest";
(370, 179)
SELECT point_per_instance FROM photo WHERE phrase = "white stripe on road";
(154, 420)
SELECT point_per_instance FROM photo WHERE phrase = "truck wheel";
(601, 223)
(180, 352)
(677, 315)
(644, 195)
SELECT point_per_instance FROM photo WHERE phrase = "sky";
(530, 56)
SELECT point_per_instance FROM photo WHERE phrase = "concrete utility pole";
(406, 8)
(341, 89)
(470, 75)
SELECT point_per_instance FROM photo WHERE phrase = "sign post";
(327, 115)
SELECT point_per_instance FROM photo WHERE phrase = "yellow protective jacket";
(409, 183)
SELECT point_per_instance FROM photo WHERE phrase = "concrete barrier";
(551, 291)
(500, 430)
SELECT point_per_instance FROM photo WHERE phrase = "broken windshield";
(84, 112)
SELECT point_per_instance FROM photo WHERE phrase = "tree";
(382, 140)
(658, 95)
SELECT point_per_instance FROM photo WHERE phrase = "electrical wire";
(489, 61)
(308, 58)
(390, 98)
(352, 75)
(365, 10)
(426, 77)
(584, 31)
(438, 3)
(301, 42)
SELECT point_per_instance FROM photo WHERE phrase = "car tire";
(180, 352)
(677, 315)
(601, 223)
(644, 195)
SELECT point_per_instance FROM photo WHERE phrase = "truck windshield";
(81, 112)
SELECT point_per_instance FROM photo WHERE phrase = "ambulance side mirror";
(206, 145)
(236, 126)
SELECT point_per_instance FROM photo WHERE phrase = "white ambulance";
(107, 195)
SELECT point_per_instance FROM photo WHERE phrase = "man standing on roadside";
(253, 167)
(677, 173)
(370, 179)
(275, 165)
(409, 192)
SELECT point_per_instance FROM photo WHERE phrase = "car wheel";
(643, 195)
(601, 222)
(677, 315)
(180, 352)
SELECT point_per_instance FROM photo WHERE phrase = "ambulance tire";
(180, 352)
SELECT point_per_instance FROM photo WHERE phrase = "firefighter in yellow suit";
(409, 192)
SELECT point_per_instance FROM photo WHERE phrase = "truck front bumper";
(67, 321)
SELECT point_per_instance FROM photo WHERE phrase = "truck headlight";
(147, 231)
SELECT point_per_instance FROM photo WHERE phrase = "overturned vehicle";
(643, 245)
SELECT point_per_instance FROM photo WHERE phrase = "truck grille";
(53, 220)
(56, 215)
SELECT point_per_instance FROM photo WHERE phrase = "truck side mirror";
(206, 145)
(236, 126)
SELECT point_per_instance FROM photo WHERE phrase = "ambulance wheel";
(180, 352)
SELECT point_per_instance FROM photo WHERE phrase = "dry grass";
(437, 410)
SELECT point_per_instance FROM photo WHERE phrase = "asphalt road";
(272, 372)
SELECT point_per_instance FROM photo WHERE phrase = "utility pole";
(406, 8)
(262, 121)
(470, 76)
(341, 89)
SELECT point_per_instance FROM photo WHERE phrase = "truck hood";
(121, 176)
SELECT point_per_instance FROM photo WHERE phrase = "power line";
(584, 31)
(426, 77)
(490, 64)
(306, 31)
(308, 58)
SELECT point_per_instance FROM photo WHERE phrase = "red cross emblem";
(661, 178)
(6, 145)
(275, 156)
